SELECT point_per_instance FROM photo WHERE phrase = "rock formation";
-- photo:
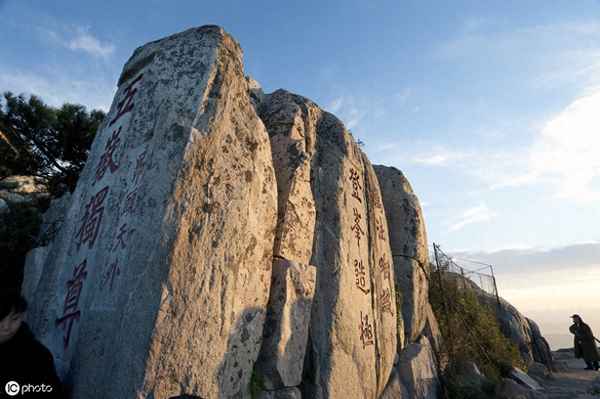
(157, 285)
(331, 216)
(418, 368)
(227, 243)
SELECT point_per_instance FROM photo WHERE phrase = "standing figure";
(585, 344)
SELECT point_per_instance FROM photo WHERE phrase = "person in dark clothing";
(26, 366)
(585, 343)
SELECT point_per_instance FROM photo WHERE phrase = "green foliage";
(39, 140)
(18, 230)
(471, 333)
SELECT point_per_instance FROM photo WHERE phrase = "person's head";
(577, 319)
(12, 313)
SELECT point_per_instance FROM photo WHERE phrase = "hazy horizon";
(549, 285)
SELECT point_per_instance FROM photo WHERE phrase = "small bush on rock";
(471, 333)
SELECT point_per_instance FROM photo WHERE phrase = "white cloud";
(335, 105)
(347, 109)
(86, 42)
(564, 153)
(80, 39)
(477, 214)
(567, 150)
(439, 157)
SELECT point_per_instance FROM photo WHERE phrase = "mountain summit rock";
(227, 243)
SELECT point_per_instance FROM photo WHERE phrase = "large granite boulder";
(286, 327)
(540, 348)
(51, 223)
(408, 241)
(208, 210)
(395, 389)
(331, 216)
(24, 190)
(157, 284)
(419, 371)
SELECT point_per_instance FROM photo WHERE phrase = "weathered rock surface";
(157, 285)
(208, 210)
(540, 348)
(523, 332)
(523, 379)
(23, 185)
(34, 267)
(408, 241)
(286, 327)
(291, 122)
(329, 216)
(284, 393)
(510, 389)
(394, 388)
(418, 370)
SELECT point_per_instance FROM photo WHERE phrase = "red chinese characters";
(139, 167)
(360, 274)
(380, 228)
(126, 104)
(355, 179)
(385, 301)
(107, 160)
(92, 219)
(358, 231)
(366, 331)
(71, 312)
(108, 278)
(384, 268)
(122, 237)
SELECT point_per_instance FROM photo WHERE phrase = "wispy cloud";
(555, 55)
(84, 41)
(439, 157)
(567, 150)
(477, 214)
(348, 110)
(80, 39)
(564, 153)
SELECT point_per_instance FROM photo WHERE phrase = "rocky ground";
(572, 381)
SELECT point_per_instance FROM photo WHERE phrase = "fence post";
(495, 286)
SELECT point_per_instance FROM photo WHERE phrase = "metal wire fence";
(483, 276)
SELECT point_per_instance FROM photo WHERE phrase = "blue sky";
(490, 108)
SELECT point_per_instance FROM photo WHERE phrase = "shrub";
(471, 333)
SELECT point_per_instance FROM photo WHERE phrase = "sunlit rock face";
(223, 242)
(331, 216)
(408, 239)
(158, 282)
